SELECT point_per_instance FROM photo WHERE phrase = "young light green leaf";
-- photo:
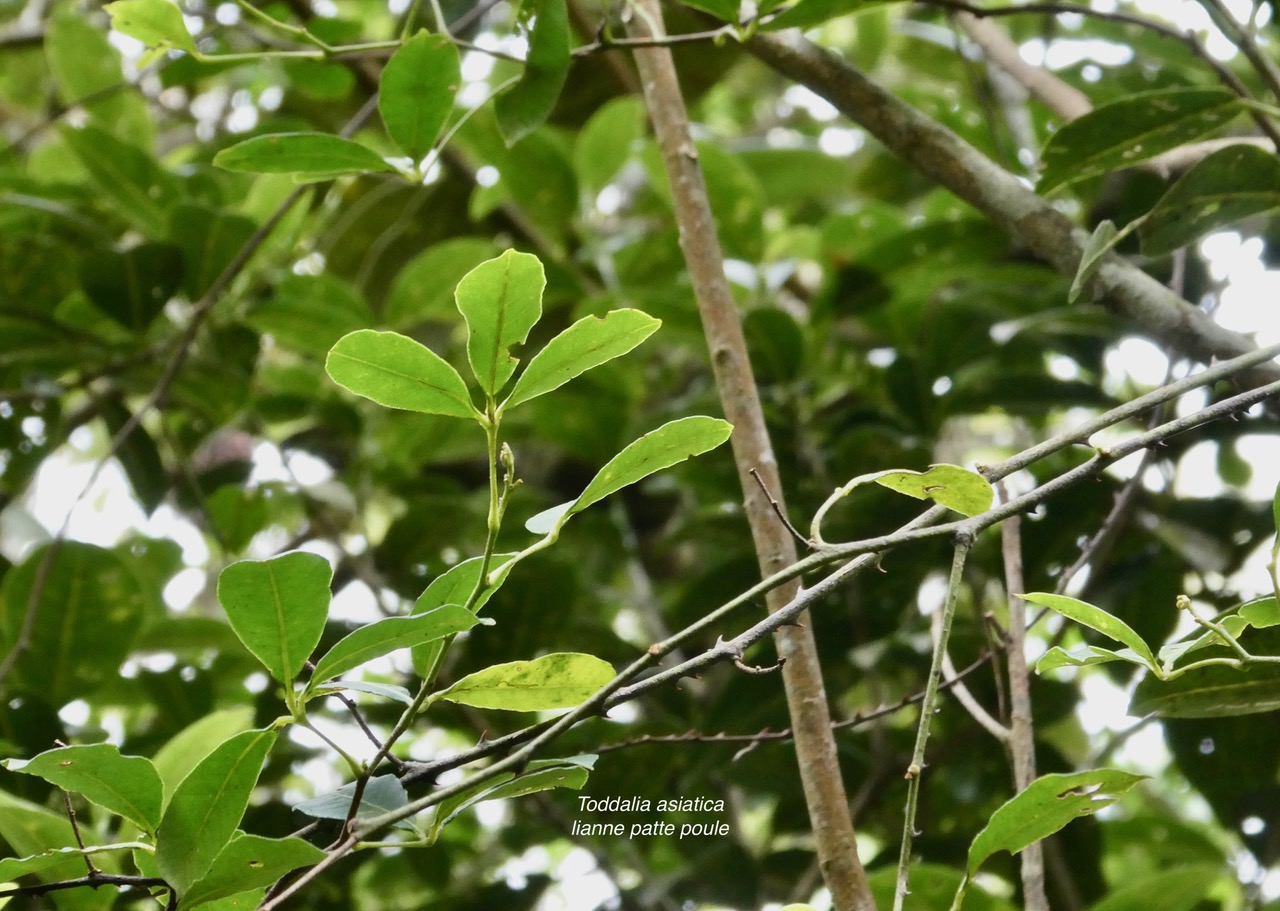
(1230, 185)
(1210, 692)
(967, 492)
(557, 681)
(669, 445)
(415, 94)
(1103, 238)
(250, 862)
(501, 300)
(1058, 657)
(395, 371)
(387, 635)
(156, 23)
(126, 785)
(307, 156)
(539, 775)
(1260, 613)
(278, 608)
(527, 104)
(1131, 130)
(1097, 619)
(1046, 806)
(382, 794)
(589, 342)
(207, 806)
(549, 519)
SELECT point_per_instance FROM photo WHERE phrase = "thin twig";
(1021, 743)
(777, 508)
(927, 708)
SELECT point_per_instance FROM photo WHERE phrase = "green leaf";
(1046, 806)
(967, 492)
(207, 806)
(250, 862)
(1058, 657)
(307, 156)
(88, 73)
(14, 868)
(1097, 619)
(1224, 188)
(455, 587)
(156, 23)
(527, 104)
(382, 794)
(557, 681)
(395, 371)
(590, 342)
(387, 635)
(189, 747)
(501, 300)
(669, 445)
(1131, 130)
(278, 608)
(416, 91)
(1180, 889)
(85, 619)
(310, 313)
(539, 775)
(423, 290)
(209, 240)
(126, 785)
(1261, 613)
(128, 178)
(132, 287)
(1103, 238)
(606, 142)
(1210, 692)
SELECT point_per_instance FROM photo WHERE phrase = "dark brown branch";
(91, 882)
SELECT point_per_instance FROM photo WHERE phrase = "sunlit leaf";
(589, 342)
(967, 492)
(501, 300)
(395, 371)
(156, 23)
(669, 445)
(557, 681)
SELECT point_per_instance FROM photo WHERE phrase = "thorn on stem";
(757, 669)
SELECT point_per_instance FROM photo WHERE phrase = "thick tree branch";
(943, 156)
(757, 467)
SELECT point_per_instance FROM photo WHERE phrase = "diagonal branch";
(955, 164)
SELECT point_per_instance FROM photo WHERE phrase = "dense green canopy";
(364, 470)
